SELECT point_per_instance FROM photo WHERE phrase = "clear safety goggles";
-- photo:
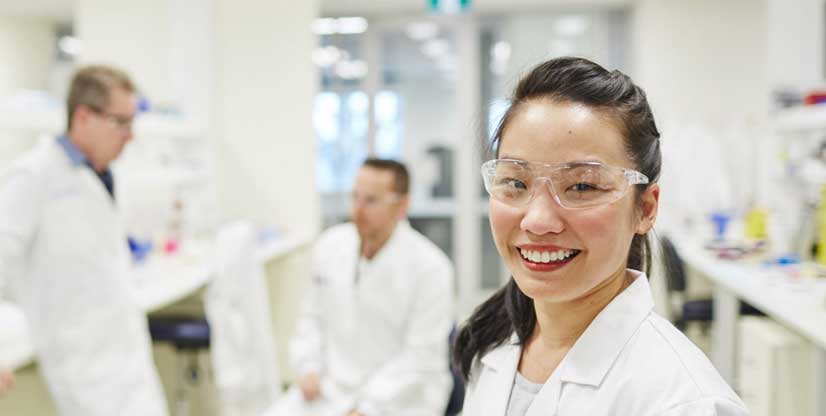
(573, 185)
(371, 201)
(117, 121)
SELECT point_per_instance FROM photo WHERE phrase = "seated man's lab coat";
(376, 331)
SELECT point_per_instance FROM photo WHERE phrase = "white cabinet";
(773, 369)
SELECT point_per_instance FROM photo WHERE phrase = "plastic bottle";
(820, 256)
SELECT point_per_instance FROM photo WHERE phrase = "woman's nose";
(542, 215)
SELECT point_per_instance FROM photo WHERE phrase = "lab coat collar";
(504, 358)
(77, 158)
(595, 352)
(401, 227)
(502, 362)
(75, 155)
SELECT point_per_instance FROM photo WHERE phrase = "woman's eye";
(513, 183)
(583, 187)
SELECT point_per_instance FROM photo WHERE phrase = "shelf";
(812, 172)
(52, 121)
(440, 208)
(801, 119)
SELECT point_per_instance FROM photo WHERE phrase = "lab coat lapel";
(596, 350)
(107, 220)
(100, 198)
(502, 364)
(93, 185)
(546, 401)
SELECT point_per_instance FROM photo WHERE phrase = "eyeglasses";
(121, 122)
(573, 185)
(370, 201)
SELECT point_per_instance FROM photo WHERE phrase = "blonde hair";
(92, 85)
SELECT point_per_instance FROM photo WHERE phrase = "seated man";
(373, 335)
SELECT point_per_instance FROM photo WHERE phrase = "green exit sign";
(449, 6)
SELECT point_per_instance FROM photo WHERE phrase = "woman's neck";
(559, 326)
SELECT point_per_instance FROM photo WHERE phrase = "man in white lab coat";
(66, 257)
(373, 337)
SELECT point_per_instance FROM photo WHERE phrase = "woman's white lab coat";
(629, 361)
(379, 340)
(67, 262)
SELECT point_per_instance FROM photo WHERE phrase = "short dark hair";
(92, 85)
(401, 177)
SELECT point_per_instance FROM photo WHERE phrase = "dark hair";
(91, 86)
(401, 177)
(614, 94)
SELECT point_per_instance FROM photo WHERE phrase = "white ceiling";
(398, 7)
(62, 9)
(55, 9)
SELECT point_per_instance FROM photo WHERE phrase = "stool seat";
(182, 332)
(703, 310)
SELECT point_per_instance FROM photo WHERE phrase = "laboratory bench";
(785, 294)
(160, 281)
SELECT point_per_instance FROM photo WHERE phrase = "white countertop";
(798, 303)
(161, 280)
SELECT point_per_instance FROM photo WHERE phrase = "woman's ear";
(650, 204)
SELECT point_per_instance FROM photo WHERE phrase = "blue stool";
(699, 310)
(188, 336)
(184, 333)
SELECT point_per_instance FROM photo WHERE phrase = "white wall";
(26, 53)
(795, 42)
(265, 82)
(133, 35)
(701, 60)
(163, 44)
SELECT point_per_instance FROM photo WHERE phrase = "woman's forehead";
(553, 132)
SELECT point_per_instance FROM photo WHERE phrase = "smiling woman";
(573, 195)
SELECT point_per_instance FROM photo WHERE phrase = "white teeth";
(546, 256)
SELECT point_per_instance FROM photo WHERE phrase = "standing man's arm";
(6, 381)
(19, 210)
(425, 347)
(18, 216)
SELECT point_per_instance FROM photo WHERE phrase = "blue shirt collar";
(79, 159)
(75, 155)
